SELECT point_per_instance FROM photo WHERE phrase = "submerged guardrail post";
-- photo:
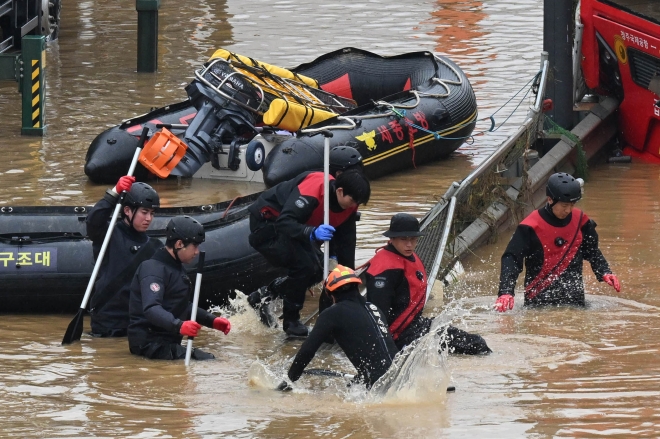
(32, 84)
(147, 44)
(10, 67)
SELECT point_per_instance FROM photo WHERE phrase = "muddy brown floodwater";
(559, 372)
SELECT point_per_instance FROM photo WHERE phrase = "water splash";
(261, 376)
(244, 319)
(419, 374)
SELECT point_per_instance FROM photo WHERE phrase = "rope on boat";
(443, 82)
(491, 118)
(400, 109)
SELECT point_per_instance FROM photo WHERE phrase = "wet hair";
(169, 243)
(357, 167)
(355, 184)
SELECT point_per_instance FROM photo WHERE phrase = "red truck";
(621, 58)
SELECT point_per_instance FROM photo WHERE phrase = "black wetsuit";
(282, 220)
(160, 303)
(567, 286)
(389, 289)
(109, 303)
(355, 326)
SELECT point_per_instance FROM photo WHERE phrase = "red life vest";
(312, 186)
(386, 260)
(560, 245)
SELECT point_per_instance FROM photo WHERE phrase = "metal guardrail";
(431, 248)
(435, 268)
(457, 189)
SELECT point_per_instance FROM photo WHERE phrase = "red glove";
(504, 302)
(612, 281)
(190, 328)
(222, 324)
(124, 184)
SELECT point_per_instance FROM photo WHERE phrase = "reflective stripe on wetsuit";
(376, 318)
(351, 324)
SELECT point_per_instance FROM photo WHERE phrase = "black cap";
(403, 224)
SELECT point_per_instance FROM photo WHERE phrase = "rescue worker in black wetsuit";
(129, 246)
(396, 283)
(342, 158)
(358, 327)
(287, 228)
(553, 241)
(160, 307)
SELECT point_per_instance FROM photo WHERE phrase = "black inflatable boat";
(398, 111)
(46, 261)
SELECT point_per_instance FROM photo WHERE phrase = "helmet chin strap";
(128, 220)
(176, 250)
(130, 223)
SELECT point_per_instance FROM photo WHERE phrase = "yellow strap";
(279, 71)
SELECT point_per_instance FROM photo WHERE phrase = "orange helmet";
(339, 277)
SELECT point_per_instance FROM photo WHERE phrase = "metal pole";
(557, 41)
(441, 249)
(32, 84)
(195, 303)
(147, 44)
(326, 200)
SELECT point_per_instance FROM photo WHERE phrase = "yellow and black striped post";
(33, 52)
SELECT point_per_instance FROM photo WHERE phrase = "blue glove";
(323, 232)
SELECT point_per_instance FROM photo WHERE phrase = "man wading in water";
(287, 228)
(160, 306)
(356, 325)
(342, 159)
(396, 283)
(553, 241)
(128, 247)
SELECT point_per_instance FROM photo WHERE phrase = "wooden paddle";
(193, 313)
(75, 328)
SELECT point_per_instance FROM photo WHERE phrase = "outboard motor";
(226, 104)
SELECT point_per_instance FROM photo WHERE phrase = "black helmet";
(185, 228)
(344, 157)
(562, 187)
(142, 195)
